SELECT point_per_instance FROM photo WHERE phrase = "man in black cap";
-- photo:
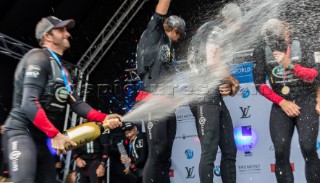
(136, 143)
(42, 89)
(155, 62)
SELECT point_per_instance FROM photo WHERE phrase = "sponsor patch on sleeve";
(33, 71)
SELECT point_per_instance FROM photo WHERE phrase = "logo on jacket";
(278, 73)
(149, 126)
(139, 143)
(33, 71)
(165, 53)
(61, 94)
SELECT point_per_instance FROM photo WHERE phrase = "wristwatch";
(291, 66)
(103, 163)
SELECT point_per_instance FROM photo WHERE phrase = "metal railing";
(12, 47)
(109, 34)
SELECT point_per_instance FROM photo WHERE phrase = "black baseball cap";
(127, 126)
(51, 22)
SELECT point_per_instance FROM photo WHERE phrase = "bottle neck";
(103, 127)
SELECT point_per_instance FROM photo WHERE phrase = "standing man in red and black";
(290, 65)
(42, 90)
(155, 57)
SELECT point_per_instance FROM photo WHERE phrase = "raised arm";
(162, 7)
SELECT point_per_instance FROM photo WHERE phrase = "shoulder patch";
(33, 71)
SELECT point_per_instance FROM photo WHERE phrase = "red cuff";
(133, 167)
(306, 74)
(105, 156)
(75, 156)
(270, 94)
(143, 96)
(94, 115)
(42, 122)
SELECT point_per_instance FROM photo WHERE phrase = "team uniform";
(155, 61)
(299, 85)
(213, 121)
(138, 153)
(39, 101)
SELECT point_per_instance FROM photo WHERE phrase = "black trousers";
(3, 161)
(160, 137)
(281, 130)
(215, 128)
(88, 173)
(30, 160)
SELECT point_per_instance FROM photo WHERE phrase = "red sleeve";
(36, 61)
(105, 157)
(94, 115)
(42, 122)
(267, 92)
(306, 74)
(143, 96)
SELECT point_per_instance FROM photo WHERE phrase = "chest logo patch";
(61, 94)
(278, 73)
(139, 143)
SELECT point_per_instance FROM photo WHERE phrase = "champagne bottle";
(84, 133)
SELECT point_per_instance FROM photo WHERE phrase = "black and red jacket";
(137, 151)
(302, 80)
(155, 55)
(40, 96)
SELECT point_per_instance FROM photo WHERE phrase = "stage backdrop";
(250, 114)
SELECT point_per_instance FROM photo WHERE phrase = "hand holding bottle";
(59, 141)
(113, 121)
(89, 131)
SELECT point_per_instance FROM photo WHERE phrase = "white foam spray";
(163, 102)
